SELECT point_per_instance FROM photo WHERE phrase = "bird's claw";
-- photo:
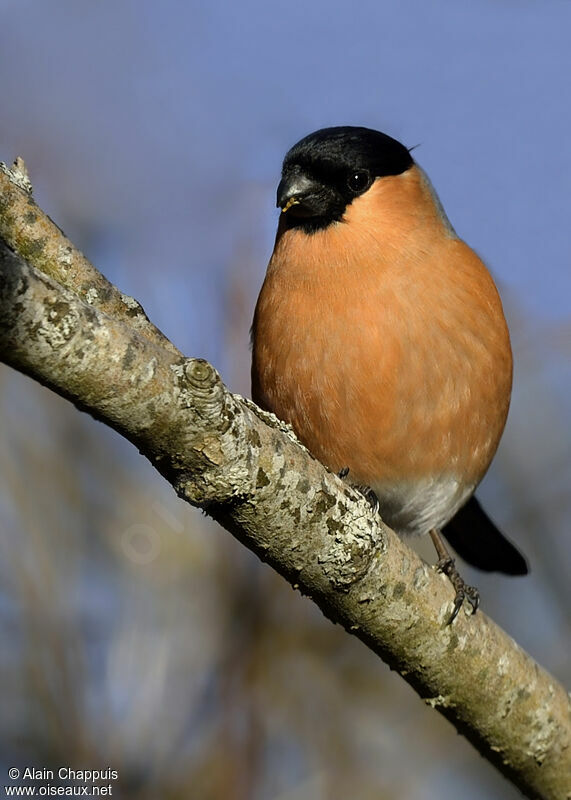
(463, 591)
(370, 496)
(368, 493)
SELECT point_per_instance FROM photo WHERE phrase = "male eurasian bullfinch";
(379, 335)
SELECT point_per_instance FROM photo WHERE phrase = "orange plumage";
(379, 335)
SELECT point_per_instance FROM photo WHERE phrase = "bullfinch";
(379, 335)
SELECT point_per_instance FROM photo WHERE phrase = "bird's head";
(324, 172)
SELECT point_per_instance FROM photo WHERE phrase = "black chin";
(315, 212)
(308, 224)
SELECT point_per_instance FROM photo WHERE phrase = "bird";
(379, 336)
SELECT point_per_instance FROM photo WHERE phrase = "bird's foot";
(368, 493)
(463, 591)
(447, 566)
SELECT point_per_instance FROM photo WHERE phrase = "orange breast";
(382, 340)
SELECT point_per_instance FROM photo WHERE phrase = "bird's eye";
(359, 181)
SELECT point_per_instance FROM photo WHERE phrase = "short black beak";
(293, 190)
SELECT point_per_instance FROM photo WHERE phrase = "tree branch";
(249, 472)
(28, 231)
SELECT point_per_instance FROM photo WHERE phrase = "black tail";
(477, 540)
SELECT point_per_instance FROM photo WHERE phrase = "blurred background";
(135, 634)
